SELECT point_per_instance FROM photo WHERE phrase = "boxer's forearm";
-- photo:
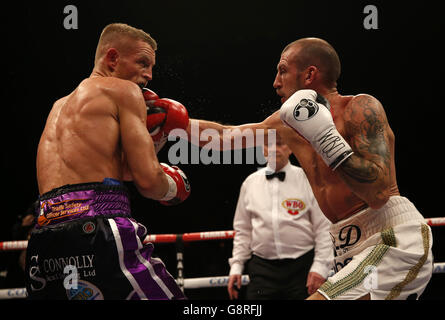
(366, 179)
(228, 137)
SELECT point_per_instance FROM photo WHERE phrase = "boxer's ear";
(310, 74)
(111, 58)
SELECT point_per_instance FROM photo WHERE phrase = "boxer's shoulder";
(59, 102)
(364, 101)
(364, 107)
(108, 86)
(112, 90)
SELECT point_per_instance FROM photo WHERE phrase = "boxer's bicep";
(138, 147)
(135, 139)
(367, 127)
(367, 171)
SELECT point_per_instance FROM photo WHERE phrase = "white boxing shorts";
(385, 253)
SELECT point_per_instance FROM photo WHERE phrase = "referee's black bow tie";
(280, 175)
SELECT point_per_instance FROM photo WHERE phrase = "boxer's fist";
(308, 113)
(179, 186)
(155, 116)
(149, 95)
(163, 115)
(166, 115)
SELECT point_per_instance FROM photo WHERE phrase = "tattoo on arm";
(360, 170)
(367, 125)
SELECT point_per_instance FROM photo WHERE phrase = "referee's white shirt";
(280, 219)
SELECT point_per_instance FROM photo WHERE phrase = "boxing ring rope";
(179, 239)
(154, 238)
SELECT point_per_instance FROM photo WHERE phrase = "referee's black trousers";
(278, 279)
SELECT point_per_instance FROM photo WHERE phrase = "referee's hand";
(234, 286)
(314, 281)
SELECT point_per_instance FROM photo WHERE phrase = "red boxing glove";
(163, 115)
(179, 186)
(166, 114)
(149, 95)
(155, 116)
(155, 119)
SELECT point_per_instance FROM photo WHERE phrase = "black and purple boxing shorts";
(86, 245)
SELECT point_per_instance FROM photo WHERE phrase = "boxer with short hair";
(346, 148)
(86, 245)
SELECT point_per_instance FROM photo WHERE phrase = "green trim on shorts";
(414, 271)
(352, 280)
(334, 289)
(388, 237)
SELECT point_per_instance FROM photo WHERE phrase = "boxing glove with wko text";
(308, 113)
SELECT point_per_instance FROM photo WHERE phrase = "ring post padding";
(180, 261)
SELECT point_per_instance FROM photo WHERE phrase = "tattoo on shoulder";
(367, 125)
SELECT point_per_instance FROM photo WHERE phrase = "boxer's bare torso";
(363, 124)
(81, 139)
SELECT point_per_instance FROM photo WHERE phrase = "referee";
(282, 237)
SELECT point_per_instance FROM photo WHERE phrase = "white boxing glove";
(308, 113)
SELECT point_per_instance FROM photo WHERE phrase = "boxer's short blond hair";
(115, 31)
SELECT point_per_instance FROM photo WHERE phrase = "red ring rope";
(186, 237)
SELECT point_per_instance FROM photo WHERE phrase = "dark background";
(219, 59)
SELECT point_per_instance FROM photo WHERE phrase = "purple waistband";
(85, 200)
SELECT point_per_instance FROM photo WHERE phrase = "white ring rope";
(191, 283)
